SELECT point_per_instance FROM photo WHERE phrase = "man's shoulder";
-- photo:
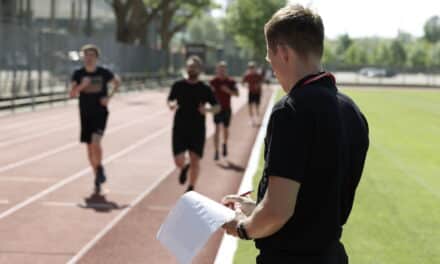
(203, 85)
(103, 69)
(179, 82)
(347, 105)
(284, 106)
(79, 70)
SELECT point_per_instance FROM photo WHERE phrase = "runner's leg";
(194, 169)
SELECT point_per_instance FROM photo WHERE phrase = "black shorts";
(223, 117)
(188, 138)
(93, 124)
(254, 98)
(335, 255)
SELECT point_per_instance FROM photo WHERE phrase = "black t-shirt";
(189, 97)
(317, 137)
(89, 98)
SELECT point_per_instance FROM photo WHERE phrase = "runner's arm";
(76, 88)
(116, 83)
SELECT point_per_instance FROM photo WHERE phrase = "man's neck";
(90, 68)
(192, 81)
(301, 74)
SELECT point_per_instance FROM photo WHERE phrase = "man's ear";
(284, 53)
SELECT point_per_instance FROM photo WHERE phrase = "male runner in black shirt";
(189, 97)
(90, 84)
(315, 149)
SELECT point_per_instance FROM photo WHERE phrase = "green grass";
(396, 216)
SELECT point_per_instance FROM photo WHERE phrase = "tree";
(343, 43)
(133, 18)
(432, 29)
(206, 29)
(418, 56)
(355, 55)
(245, 20)
(397, 54)
(175, 16)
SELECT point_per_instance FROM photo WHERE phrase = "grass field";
(396, 216)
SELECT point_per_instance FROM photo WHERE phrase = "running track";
(47, 211)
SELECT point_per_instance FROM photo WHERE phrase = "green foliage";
(397, 53)
(245, 20)
(206, 29)
(343, 43)
(432, 29)
(418, 56)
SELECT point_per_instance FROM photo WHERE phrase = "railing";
(58, 90)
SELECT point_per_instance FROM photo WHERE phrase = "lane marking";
(60, 204)
(25, 179)
(74, 144)
(123, 213)
(27, 138)
(9, 142)
(228, 246)
(83, 172)
(119, 217)
(159, 208)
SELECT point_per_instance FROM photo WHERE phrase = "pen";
(246, 193)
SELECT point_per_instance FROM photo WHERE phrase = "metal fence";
(417, 80)
(35, 65)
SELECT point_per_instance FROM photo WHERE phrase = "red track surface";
(47, 211)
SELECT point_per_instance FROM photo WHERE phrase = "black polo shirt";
(189, 96)
(317, 137)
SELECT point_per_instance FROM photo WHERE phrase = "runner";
(254, 81)
(189, 97)
(224, 87)
(90, 84)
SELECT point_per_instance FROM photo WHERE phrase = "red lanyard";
(318, 77)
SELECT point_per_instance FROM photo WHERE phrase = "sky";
(360, 18)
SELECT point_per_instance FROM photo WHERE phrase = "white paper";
(190, 223)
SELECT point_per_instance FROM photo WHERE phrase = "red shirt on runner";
(254, 81)
(223, 97)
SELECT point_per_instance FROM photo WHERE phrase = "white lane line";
(118, 218)
(25, 179)
(60, 204)
(24, 139)
(28, 122)
(4, 202)
(9, 142)
(228, 246)
(159, 208)
(74, 144)
(83, 173)
(83, 205)
(121, 215)
(35, 118)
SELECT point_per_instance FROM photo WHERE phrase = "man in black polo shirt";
(189, 97)
(315, 149)
(90, 84)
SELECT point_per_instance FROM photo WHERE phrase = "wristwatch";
(241, 231)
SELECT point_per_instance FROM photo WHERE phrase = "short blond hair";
(92, 47)
(298, 28)
(194, 59)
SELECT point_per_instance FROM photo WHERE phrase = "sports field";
(396, 216)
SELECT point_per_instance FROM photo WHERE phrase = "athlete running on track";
(224, 87)
(90, 83)
(254, 81)
(188, 97)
